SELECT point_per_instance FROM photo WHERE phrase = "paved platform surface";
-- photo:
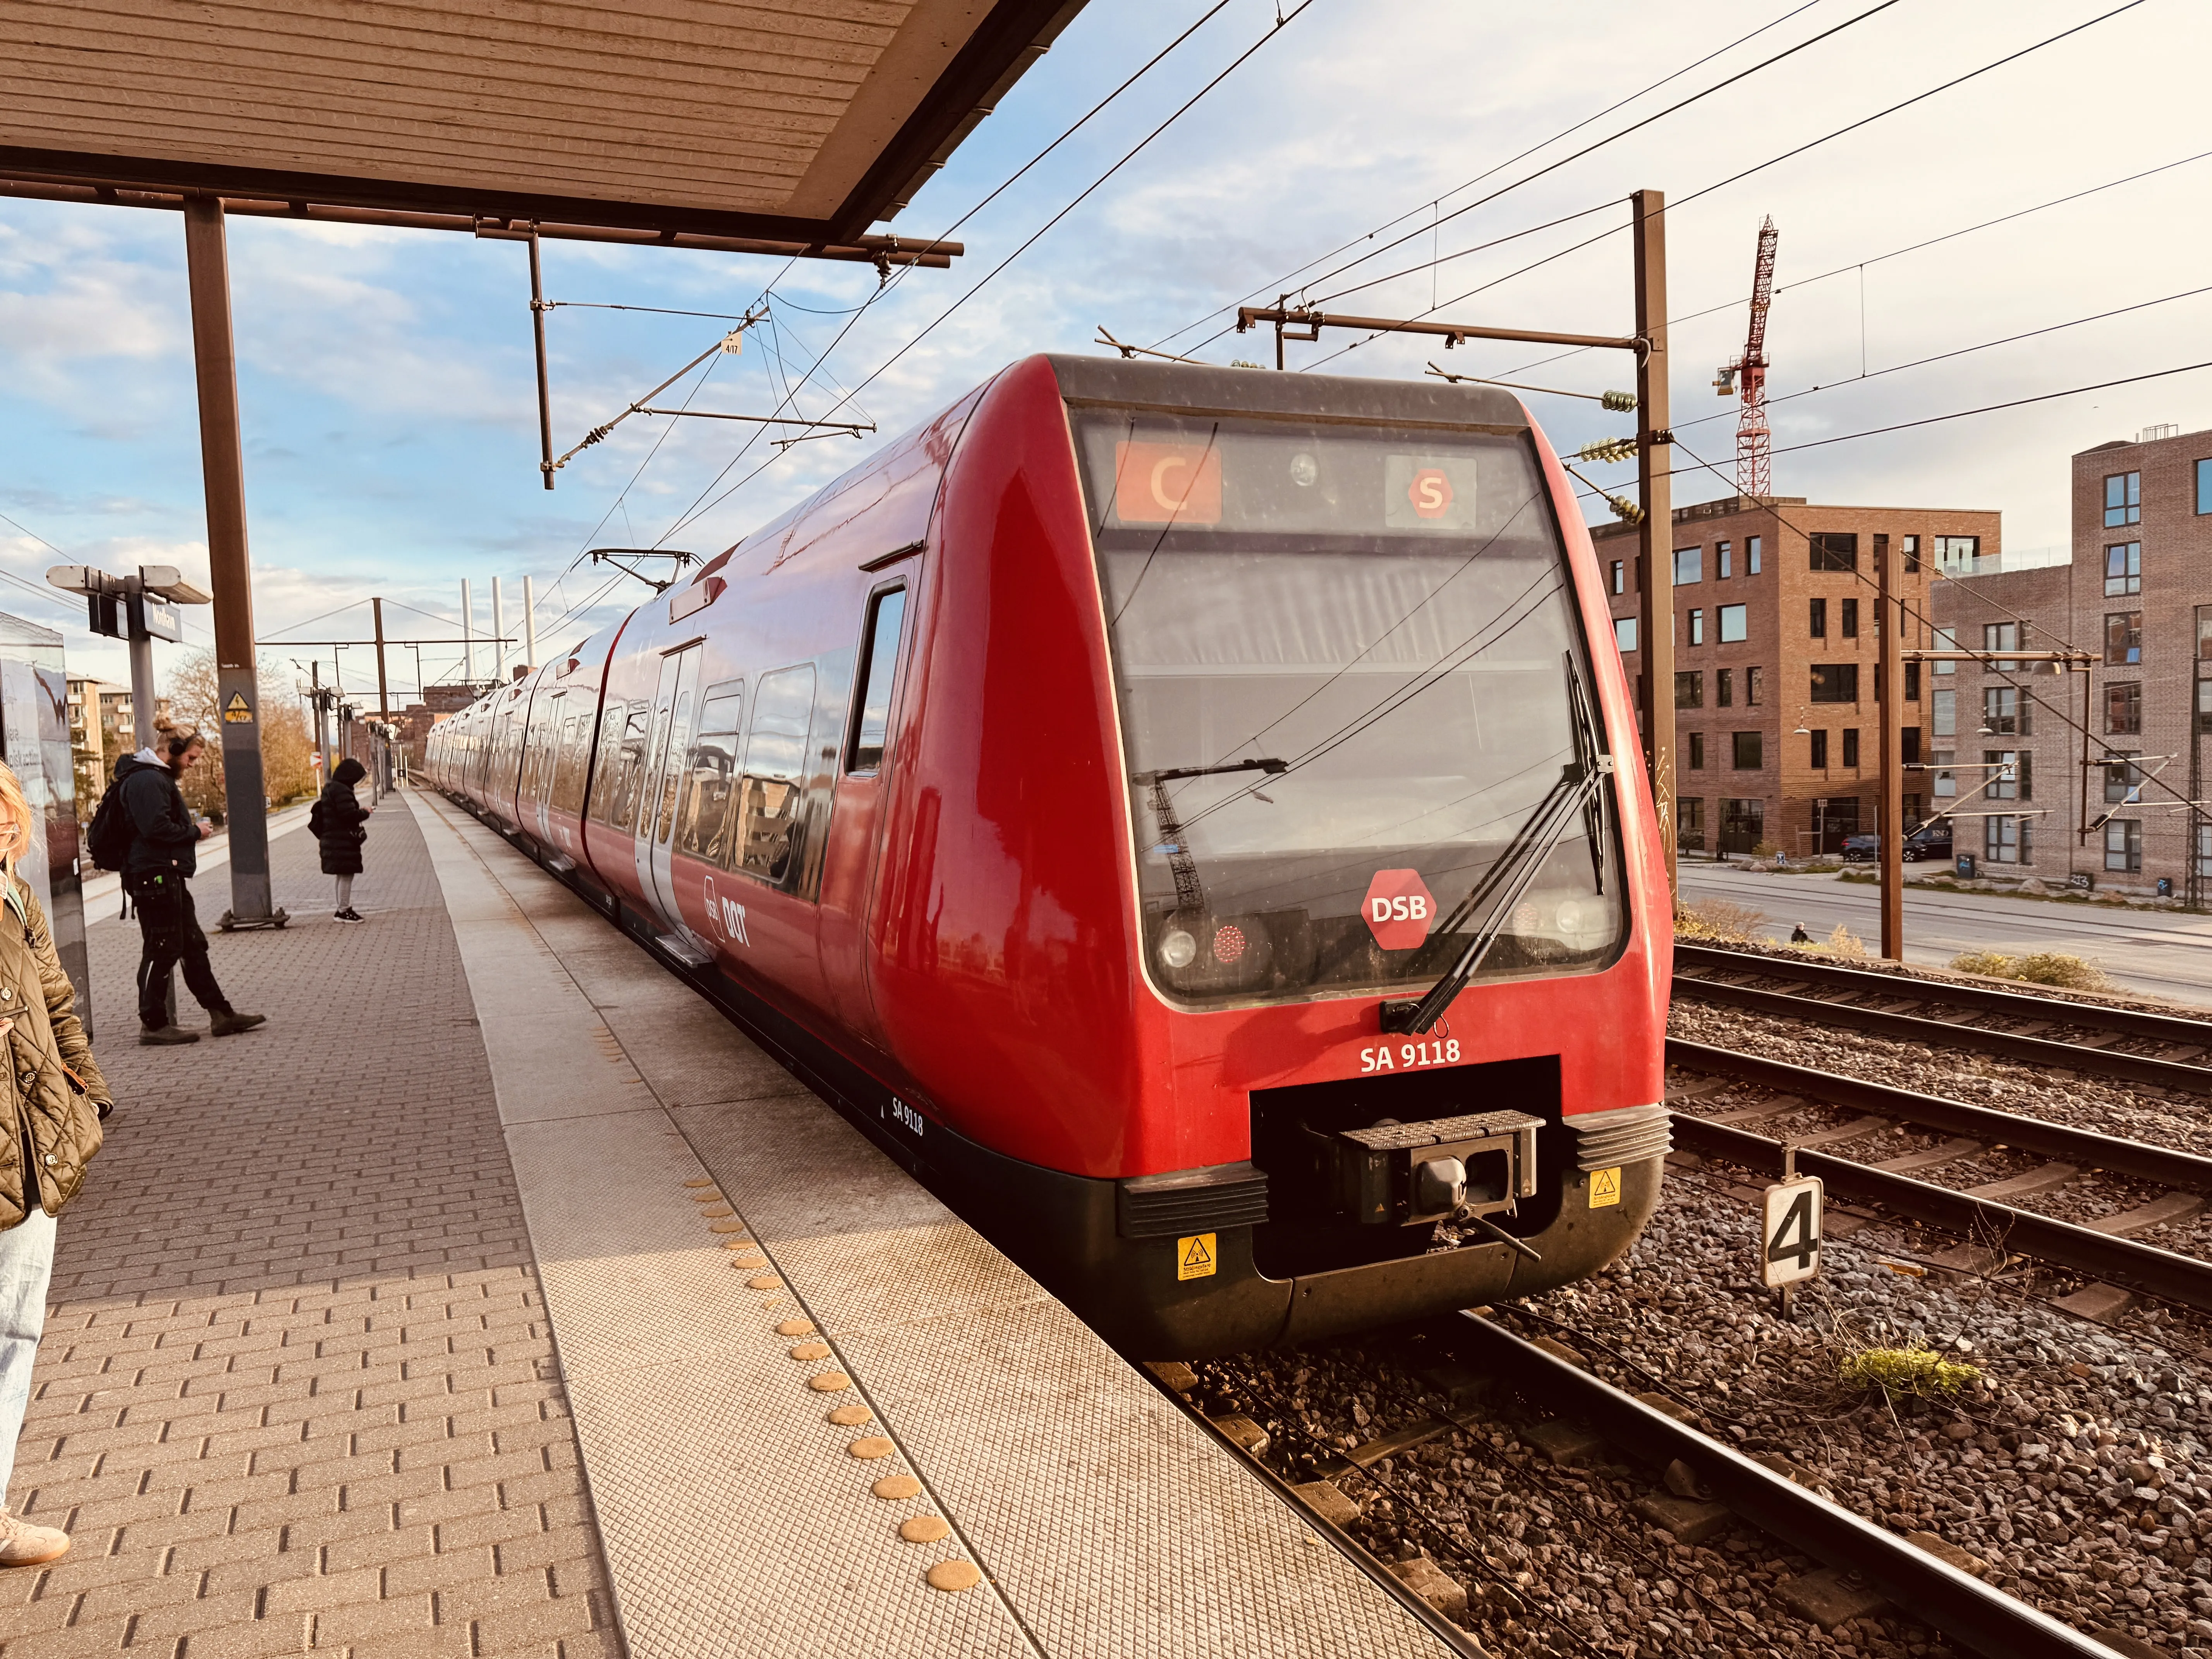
(500, 1298)
(297, 1394)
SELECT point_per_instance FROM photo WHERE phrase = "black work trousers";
(172, 936)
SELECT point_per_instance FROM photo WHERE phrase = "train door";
(674, 709)
(849, 860)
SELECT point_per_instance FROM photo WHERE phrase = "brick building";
(1775, 735)
(2137, 595)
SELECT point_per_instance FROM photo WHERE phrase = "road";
(2164, 953)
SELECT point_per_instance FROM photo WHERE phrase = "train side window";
(886, 614)
(603, 785)
(702, 821)
(769, 787)
(568, 772)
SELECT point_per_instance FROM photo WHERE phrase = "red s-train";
(1175, 810)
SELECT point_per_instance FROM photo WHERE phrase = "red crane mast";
(1746, 376)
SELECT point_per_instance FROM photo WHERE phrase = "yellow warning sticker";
(1195, 1256)
(1605, 1188)
(235, 713)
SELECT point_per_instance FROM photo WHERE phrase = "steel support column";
(1655, 542)
(238, 691)
(1889, 702)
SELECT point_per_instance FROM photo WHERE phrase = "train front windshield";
(1349, 671)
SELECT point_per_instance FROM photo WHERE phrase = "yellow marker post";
(1195, 1256)
(1605, 1188)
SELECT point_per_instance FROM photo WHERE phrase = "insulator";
(1623, 401)
(1625, 510)
(1608, 449)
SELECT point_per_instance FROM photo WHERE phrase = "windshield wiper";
(1189, 895)
(1579, 793)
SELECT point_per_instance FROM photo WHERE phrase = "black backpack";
(109, 842)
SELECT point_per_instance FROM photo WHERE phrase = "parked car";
(1929, 841)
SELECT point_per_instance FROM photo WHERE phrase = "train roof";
(1201, 389)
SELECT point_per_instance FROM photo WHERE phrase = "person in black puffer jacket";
(340, 823)
(164, 842)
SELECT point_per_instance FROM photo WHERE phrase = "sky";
(386, 381)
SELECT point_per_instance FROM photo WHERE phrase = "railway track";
(2164, 1051)
(1705, 1484)
(1981, 1215)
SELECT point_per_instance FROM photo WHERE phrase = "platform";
(407, 1324)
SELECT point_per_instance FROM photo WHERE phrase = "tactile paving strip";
(737, 1519)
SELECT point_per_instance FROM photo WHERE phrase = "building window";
(1912, 682)
(1946, 640)
(1696, 751)
(1910, 547)
(1697, 627)
(1820, 760)
(2204, 705)
(1943, 712)
(1835, 549)
(1848, 620)
(1751, 547)
(2005, 712)
(1724, 561)
(1850, 745)
(2005, 840)
(1880, 551)
(1620, 576)
(1747, 754)
(2204, 630)
(1723, 687)
(1689, 823)
(1689, 566)
(1957, 555)
(1945, 783)
(2122, 777)
(1754, 682)
(2124, 637)
(2123, 707)
(1909, 746)
(1743, 826)
(2123, 845)
(2204, 839)
(2004, 637)
(2008, 774)
(1835, 682)
(1735, 623)
(2123, 502)
(2203, 505)
(1816, 618)
(1690, 691)
(1624, 633)
(2122, 569)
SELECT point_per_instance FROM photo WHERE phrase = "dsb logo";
(1399, 910)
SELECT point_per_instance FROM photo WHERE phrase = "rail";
(1977, 1615)
(1943, 1033)
(2017, 1005)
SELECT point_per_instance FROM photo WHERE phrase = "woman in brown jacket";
(51, 1100)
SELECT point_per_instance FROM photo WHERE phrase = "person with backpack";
(54, 1099)
(163, 854)
(339, 823)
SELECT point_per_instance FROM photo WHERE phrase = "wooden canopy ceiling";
(798, 123)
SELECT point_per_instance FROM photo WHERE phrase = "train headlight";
(1178, 949)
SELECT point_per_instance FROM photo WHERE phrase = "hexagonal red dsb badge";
(1400, 909)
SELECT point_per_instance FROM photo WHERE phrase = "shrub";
(2052, 968)
(1722, 921)
(1844, 943)
(1906, 1370)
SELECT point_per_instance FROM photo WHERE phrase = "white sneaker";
(23, 1545)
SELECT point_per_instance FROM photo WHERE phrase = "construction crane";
(1747, 377)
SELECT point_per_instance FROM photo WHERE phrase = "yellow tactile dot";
(764, 1282)
(830, 1383)
(753, 1261)
(871, 1445)
(740, 1242)
(954, 1576)
(730, 1227)
(699, 1181)
(708, 1193)
(716, 1211)
(795, 1327)
(896, 1487)
(850, 1417)
(776, 1302)
(811, 1350)
(922, 1529)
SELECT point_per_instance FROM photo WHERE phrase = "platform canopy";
(797, 124)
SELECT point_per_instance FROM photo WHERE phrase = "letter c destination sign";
(1399, 910)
